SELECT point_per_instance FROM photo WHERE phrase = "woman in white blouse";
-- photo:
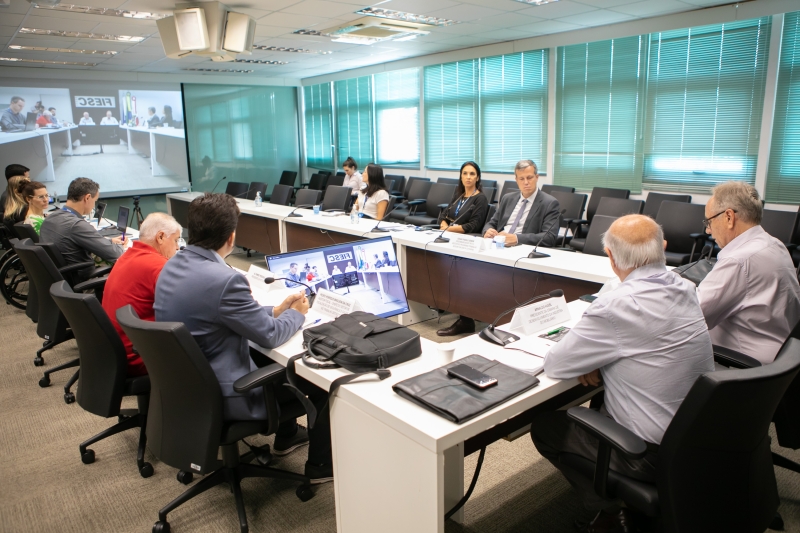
(352, 177)
(374, 199)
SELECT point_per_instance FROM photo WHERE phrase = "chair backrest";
(255, 187)
(594, 239)
(488, 183)
(549, 189)
(101, 352)
(489, 214)
(410, 183)
(490, 193)
(288, 177)
(509, 186)
(237, 189)
(43, 273)
(617, 207)
(450, 181)
(574, 204)
(336, 198)
(391, 184)
(654, 199)
(325, 172)
(716, 454)
(184, 421)
(419, 189)
(307, 197)
(19, 280)
(25, 231)
(337, 180)
(317, 181)
(440, 193)
(679, 220)
(281, 194)
(598, 193)
(779, 224)
(399, 183)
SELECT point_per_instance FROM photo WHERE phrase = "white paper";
(540, 315)
(467, 243)
(332, 304)
(524, 362)
(532, 344)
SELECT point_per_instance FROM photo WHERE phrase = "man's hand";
(591, 379)
(287, 303)
(511, 239)
(490, 233)
(301, 304)
(118, 240)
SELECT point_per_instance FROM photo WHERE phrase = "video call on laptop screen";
(365, 270)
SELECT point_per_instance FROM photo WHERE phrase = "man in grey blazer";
(528, 216)
(216, 304)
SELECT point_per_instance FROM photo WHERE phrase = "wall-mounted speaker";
(191, 28)
(169, 38)
(240, 30)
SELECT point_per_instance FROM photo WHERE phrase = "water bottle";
(353, 215)
(258, 199)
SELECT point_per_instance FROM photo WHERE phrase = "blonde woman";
(15, 207)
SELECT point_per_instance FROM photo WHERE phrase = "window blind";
(599, 114)
(704, 99)
(397, 117)
(319, 125)
(354, 132)
(451, 108)
(783, 174)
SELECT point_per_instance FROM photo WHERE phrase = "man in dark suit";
(216, 304)
(528, 216)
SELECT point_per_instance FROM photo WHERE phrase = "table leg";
(49, 170)
(417, 312)
(454, 480)
(69, 141)
(130, 144)
(158, 169)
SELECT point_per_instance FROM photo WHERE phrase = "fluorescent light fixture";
(89, 10)
(237, 71)
(19, 59)
(290, 50)
(349, 39)
(83, 35)
(60, 50)
(537, 2)
(261, 61)
(407, 17)
(307, 32)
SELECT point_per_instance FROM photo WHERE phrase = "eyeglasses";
(707, 221)
(42, 197)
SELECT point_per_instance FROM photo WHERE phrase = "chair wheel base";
(162, 526)
(69, 398)
(87, 457)
(185, 477)
(304, 492)
(777, 522)
(44, 382)
(146, 470)
(38, 361)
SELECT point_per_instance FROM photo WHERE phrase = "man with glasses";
(751, 298)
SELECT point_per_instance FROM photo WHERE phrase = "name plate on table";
(333, 304)
(258, 275)
(467, 243)
(540, 315)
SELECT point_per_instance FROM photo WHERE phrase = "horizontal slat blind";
(354, 131)
(451, 108)
(319, 125)
(397, 117)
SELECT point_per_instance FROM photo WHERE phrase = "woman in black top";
(466, 214)
(468, 207)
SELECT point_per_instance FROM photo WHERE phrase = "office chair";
(288, 177)
(780, 224)
(439, 197)
(26, 231)
(417, 190)
(237, 189)
(490, 193)
(256, 187)
(103, 364)
(281, 195)
(448, 181)
(317, 181)
(185, 427)
(608, 206)
(398, 184)
(574, 204)
(715, 470)
(337, 180)
(308, 197)
(654, 199)
(594, 240)
(581, 227)
(14, 284)
(409, 183)
(336, 198)
(509, 186)
(488, 183)
(391, 185)
(548, 188)
(680, 221)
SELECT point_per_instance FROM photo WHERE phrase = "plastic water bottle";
(354, 215)
(258, 199)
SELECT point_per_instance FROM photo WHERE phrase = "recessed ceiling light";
(237, 71)
(292, 50)
(406, 17)
(60, 50)
(144, 15)
(19, 59)
(83, 35)
(537, 2)
(307, 32)
(261, 61)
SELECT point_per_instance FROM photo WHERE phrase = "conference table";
(166, 148)
(397, 466)
(34, 149)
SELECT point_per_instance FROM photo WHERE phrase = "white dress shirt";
(525, 213)
(650, 342)
(109, 121)
(751, 298)
(354, 182)
(87, 121)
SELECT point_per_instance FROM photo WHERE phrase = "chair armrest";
(76, 266)
(442, 206)
(580, 222)
(101, 271)
(733, 359)
(91, 284)
(259, 377)
(703, 236)
(568, 221)
(790, 246)
(416, 202)
(606, 429)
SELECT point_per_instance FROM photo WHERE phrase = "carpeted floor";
(45, 487)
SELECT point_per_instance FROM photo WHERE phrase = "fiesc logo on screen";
(95, 101)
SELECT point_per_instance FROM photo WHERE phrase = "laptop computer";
(122, 224)
(30, 121)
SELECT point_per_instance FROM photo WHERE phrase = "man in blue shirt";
(13, 119)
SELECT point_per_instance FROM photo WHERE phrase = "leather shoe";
(619, 522)
(462, 325)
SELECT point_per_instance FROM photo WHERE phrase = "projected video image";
(129, 141)
(366, 270)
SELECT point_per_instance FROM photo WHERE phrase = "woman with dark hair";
(373, 200)
(352, 176)
(468, 208)
(168, 120)
(35, 195)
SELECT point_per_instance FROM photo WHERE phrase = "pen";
(553, 332)
(309, 325)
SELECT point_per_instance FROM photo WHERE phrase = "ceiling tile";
(603, 4)
(17, 7)
(9, 19)
(319, 8)
(291, 21)
(551, 26)
(465, 12)
(597, 18)
(563, 8)
(466, 28)
(263, 30)
(508, 20)
(54, 23)
(120, 28)
(419, 7)
(504, 35)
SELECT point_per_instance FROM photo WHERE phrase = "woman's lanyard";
(461, 203)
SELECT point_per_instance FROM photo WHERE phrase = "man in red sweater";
(133, 279)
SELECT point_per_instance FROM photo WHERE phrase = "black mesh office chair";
(399, 183)
(336, 199)
(681, 222)
(574, 204)
(490, 193)
(337, 180)
(654, 199)
(438, 198)
(409, 184)
(288, 177)
(548, 188)
(256, 187)
(281, 194)
(103, 365)
(418, 190)
(594, 239)
(391, 185)
(607, 206)
(308, 197)
(17, 290)
(715, 469)
(581, 227)
(237, 189)
(317, 182)
(185, 428)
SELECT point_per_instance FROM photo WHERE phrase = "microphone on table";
(293, 214)
(220, 181)
(270, 280)
(376, 229)
(538, 255)
(489, 333)
(441, 239)
(245, 193)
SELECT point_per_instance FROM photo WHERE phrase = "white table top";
(168, 132)
(8, 137)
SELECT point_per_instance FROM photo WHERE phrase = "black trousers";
(554, 433)
(319, 438)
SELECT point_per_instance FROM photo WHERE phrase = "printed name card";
(540, 315)
(258, 275)
(333, 304)
(467, 243)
